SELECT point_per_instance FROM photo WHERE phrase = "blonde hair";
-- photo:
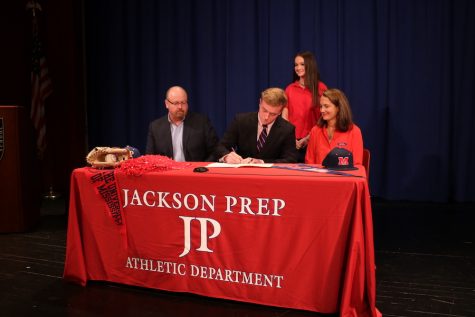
(274, 97)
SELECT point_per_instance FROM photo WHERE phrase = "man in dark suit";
(181, 135)
(263, 136)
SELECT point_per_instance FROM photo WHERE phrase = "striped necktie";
(262, 138)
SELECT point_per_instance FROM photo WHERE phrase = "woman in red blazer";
(335, 128)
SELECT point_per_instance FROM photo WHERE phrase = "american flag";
(41, 88)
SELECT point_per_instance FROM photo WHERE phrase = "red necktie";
(262, 138)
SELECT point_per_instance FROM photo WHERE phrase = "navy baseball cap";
(134, 150)
(339, 159)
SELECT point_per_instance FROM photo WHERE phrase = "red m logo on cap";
(343, 160)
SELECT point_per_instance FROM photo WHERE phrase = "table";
(273, 236)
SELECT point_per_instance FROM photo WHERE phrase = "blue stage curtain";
(406, 66)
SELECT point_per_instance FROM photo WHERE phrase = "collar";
(269, 126)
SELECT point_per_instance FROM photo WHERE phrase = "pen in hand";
(232, 157)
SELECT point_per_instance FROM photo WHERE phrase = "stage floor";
(425, 257)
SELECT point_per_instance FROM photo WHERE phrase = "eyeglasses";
(177, 103)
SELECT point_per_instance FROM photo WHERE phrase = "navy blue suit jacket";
(242, 137)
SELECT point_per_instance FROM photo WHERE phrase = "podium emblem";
(2, 138)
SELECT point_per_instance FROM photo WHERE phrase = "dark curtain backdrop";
(406, 66)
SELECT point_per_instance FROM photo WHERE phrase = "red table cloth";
(273, 236)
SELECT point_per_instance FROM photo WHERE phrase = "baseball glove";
(105, 157)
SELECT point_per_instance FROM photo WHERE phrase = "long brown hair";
(312, 75)
(344, 120)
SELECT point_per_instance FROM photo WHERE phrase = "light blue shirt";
(177, 141)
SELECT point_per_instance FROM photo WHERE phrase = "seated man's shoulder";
(192, 114)
(159, 121)
(197, 117)
(246, 115)
(285, 123)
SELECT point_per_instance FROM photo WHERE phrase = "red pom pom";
(148, 163)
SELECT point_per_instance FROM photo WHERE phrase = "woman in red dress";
(304, 99)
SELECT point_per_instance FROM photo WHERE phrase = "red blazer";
(319, 146)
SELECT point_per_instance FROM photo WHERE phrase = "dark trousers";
(301, 155)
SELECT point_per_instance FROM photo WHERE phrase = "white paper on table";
(227, 165)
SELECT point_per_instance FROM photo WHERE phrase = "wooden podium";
(19, 192)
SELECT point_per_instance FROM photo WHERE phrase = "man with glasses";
(260, 137)
(181, 135)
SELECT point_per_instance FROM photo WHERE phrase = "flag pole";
(41, 88)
